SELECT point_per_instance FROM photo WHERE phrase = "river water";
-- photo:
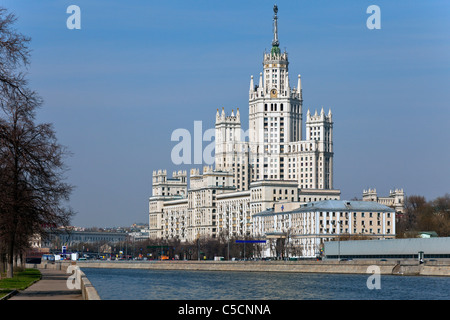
(139, 284)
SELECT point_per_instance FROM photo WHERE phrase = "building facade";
(300, 230)
(272, 163)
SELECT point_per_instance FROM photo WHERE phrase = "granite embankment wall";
(405, 267)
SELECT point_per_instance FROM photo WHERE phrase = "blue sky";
(137, 70)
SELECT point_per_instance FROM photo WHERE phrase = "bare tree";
(441, 207)
(31, 160)
(422, 215)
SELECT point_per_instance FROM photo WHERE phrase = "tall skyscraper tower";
(277, 151)
(275, 113)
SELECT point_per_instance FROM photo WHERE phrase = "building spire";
(275, 51)
(275, 42)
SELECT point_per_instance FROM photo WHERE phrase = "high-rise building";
(272, 164)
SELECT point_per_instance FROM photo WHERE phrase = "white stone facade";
(254, 170)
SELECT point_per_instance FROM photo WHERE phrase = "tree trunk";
(2, 263)
(10, 271)
(22, 260)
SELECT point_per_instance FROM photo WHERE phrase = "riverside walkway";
(52, 286)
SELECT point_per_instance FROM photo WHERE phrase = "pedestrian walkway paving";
(52, 286)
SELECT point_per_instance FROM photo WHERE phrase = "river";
(144, 284)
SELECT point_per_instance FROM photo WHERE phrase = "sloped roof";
(335, 205)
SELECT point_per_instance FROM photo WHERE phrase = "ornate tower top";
(275, 52)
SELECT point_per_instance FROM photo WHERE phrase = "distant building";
(140, 235)
(411, 248)
(395, 200)
(71, 238)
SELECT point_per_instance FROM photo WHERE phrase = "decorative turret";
(195, 172)
(287, 87)
(320, 127)
(231, 119)
(169, 187)
(220, 117)
(318, 117)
